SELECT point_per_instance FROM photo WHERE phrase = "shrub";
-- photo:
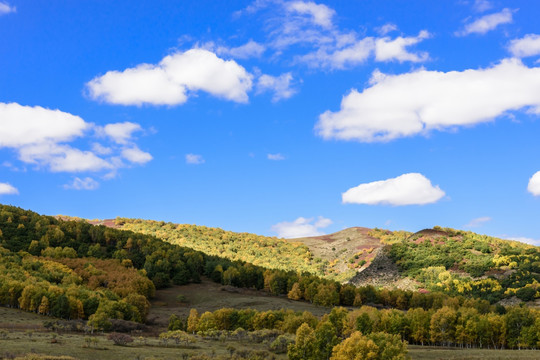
(120, 339)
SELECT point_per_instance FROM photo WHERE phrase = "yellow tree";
(356, 347)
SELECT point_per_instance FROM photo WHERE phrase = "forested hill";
(440, 259)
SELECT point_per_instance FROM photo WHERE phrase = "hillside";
(440, 259)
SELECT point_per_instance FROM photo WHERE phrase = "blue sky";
(284, 118)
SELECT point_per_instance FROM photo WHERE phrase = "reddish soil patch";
(107, 222)
(431, 233)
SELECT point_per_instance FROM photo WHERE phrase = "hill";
(440, 259)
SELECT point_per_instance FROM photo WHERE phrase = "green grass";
(19, 343)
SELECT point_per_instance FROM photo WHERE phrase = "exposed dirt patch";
(344, 250)
(382, 273)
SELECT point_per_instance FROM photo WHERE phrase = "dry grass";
(209, 296)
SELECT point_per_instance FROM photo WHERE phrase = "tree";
(442, 325)
(44, 306)
(325, 340)
(356, 347)
(193, 321)
(304, 346)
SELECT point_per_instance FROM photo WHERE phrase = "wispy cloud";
(280, 86)
(477, 222)
(487, 23)
(5, 8)
(275, 157)
(86, 183)
(312, 31)
(194, 159)
(251, 49)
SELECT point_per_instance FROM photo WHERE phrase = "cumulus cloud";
(251, 49)
(534, 184)
(414, 103)
(301, 227)
(478, 222)
(194, 159)
(5, 8)
(406, 189)
(121, 133)
(529, 45)
(487, 23)
(136, 155)
(42, 137)
(86, 183)
(27, 125)
(275, 157)
(171, 81)
(280, 86)
(7, 189)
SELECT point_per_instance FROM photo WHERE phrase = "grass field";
(209, 296)
(22, 332)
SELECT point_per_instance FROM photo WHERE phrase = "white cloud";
(275, 157)
(320, 14)
(534, 184)
(121, 133)
(5, 8)
(478, 221)
(251, 49)
(311, 26)
(170, 81)
(418, 102)
(386, 28)
(194, 159)
(301, 227)
(529, 45)
(341, 58)
(63, 158)
(359, 50)
(136, 155)
(41, 137)
(279, 85)
(7, 189)
(26, 125)
(101, 150)
(406, 189)
(482, 5)
(387, 49)
(487, 23)
(86, 183)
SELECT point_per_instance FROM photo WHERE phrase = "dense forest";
(464, 263)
